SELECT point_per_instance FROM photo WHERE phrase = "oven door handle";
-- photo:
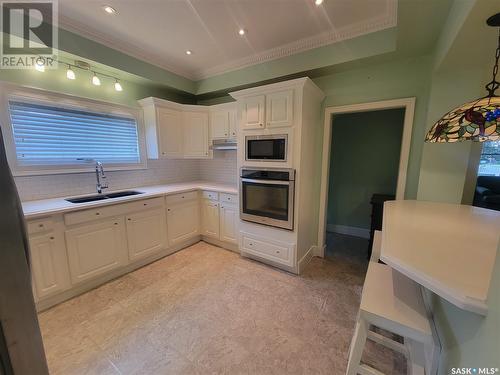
(267, 182)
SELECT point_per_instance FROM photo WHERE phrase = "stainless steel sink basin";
(100, 197)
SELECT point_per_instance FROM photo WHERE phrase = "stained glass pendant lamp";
(478, 120)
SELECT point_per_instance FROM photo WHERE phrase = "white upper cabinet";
(146, 233)
(196, 135)
(219, 124)
(223, 122)
(176, 131)
(253, 112)
(279, 109)
(170, 134)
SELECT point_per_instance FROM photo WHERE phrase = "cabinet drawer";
(181, 197)
(273, 250)
(145, 204)
(110, 211)
(228, 198)
(212, 195)
(40, 225)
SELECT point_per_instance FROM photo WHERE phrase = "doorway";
(354, 124)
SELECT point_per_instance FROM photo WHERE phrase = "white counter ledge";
(447, 248)
(38, 208)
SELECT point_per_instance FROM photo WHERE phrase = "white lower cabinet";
(276, 251)
(97, 248)
(228, 223)
(210, 218)
(49, 264)
(182, 221)
(146, 233)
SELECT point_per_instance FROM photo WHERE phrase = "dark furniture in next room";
(377, 203)
(487, 194)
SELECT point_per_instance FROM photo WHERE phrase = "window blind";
(46, 135)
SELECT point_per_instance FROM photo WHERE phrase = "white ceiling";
(160, 32)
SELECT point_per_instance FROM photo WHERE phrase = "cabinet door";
(182, 222)
(279, 109)
(170, 134)
(232, 124)
(219, 124)
(146, 233)
(49, 264)
(228, 223)
(196, 135)
(95, 249)
(253, 112)
(210, 218)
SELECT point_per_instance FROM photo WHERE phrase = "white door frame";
(409, 105)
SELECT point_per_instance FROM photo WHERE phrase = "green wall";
(365, 149)
(55, 80)
(394, 80)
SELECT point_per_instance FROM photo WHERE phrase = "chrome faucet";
(100, 177)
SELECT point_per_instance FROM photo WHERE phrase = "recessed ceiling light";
(241, 32)
(318, 2)
(189, 52)
(111, 10)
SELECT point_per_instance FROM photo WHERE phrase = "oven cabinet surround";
(292, 108)
(74, 251)
(175, 131)
(223, 121)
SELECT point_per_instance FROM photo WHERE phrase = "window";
(489, 164)
(51, 133)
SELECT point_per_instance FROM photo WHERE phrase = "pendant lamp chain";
(494, 84)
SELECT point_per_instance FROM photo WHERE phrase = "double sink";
(100, 197)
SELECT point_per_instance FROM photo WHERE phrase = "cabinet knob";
(97, 213)
(168, 209)
(40, 225)
(129, 219)
(206, 153)
(277, 251)
(261, 124)
(51, 238)
(251, 244)
(116, 223)
(145, 204)
(182, 197)
(228, 198)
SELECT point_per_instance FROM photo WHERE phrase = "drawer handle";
(250, 244)
(40, 225)
(116, 223)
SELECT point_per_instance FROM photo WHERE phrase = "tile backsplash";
(222, 168)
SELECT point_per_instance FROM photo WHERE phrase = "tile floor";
(205, 310)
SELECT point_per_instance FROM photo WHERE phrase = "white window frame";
(10, 92)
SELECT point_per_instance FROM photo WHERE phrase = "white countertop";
(43, 207)
(448, 248)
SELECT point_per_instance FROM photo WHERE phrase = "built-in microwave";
(266, 147)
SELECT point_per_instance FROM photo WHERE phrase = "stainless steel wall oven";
(267, 196)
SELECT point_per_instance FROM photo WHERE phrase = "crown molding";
(388, 20)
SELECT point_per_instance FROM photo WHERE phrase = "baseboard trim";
(304, 261)
(348, 230)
